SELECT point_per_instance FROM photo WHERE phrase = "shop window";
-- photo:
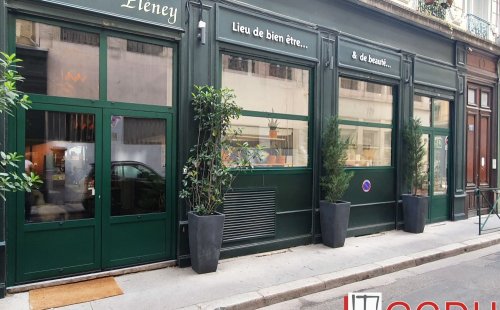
(261, 92)
(284, 133)
(363, 106)
(142, 131)
(58, 61)
(441, 114)
(139, 72)
(285, 146)
(366, 121)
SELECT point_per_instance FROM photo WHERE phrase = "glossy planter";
(334, 219)
(415, 213)
(205, 240)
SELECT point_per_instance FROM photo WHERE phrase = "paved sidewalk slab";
(254, 281)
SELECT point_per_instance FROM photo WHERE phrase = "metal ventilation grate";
(249, 214)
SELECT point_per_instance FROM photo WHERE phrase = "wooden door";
(479, 143)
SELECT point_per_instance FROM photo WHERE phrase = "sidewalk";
(254, 281)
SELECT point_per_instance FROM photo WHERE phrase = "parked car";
(135, 189)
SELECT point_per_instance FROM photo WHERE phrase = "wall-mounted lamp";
(202, 26)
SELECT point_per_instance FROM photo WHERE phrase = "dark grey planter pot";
(415, 213)
(205, 240)
(334, 218)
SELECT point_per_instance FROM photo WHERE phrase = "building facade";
(111, 123)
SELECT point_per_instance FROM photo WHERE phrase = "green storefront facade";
(111, 124)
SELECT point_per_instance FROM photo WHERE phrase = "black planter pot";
(334, 218)
(205, 240)
(415, 213)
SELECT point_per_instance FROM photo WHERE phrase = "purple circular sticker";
(367, 186)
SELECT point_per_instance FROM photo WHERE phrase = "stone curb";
(291, 290)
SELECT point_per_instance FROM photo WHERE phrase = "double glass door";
(106, 198)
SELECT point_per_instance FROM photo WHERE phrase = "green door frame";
(99, 107)
(24, 229)
(434, 199)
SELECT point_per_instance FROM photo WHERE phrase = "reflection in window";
(267, 87)
(485, 102)
(440, 164)
(58, 61)
(441, 114)
(60, 148)
(285, 146)
(139, 72)
(137, 165)
(471, 97)
(422, 110)
(368, 146)
(373, 106)
(349, 84)
(423, 188)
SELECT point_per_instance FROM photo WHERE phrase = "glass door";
(434, 115)
(137, 196)
(59, 226)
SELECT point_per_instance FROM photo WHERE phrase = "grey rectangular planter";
(334, 218)
(415, 213)
(205, 240)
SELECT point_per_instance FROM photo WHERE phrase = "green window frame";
(102, 100)
(289, 124)
(363, 154)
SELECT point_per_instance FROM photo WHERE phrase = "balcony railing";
(477, 26)
(431, 9)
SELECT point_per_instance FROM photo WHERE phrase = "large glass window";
(275, 99)
(139, 72)
(366, 117)
(58, 61)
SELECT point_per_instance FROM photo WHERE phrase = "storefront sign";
(234, 26)
(363, 57)
(435, 75)
(166, 13)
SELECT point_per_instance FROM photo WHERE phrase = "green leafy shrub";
(415, 151)
(10, 99)
(206, 176)
(335, 180)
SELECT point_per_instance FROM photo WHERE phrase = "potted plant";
(334, 213)
(207, 177)
(273, 128)
(414, 206)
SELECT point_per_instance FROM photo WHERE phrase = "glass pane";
(368, 146)
(285, 146)
(441, 114)
(485, 100)
(365, 101)
(471, 97)
(440, 164)
(266, 87)
(137, 165)
(424, 187)
(139, 72)
(58, 61)
(60, 148)
(422, 110)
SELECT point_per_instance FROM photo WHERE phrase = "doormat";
(74, 293)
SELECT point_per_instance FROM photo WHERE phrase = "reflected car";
(136, 188)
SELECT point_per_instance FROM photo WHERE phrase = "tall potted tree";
(414, 206)
(206, 175)
(334, 213)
